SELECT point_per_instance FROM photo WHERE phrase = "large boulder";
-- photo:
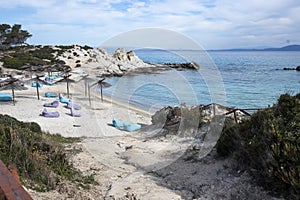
(298, 68)
(120, 55)
(114, 70)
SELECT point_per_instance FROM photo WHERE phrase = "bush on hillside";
(20, 56)
(39, 158)
(268, 145)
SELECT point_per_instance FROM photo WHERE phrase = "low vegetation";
(18, 57)
(268, 146)
(39, 158)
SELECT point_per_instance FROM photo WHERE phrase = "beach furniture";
(117, 124)
(63, 99)
(46, 113)
(53, 104)
(50, 95)
(38, 84)
(70, 105)
(126, 126)
(49, 81)
(74, 113)
(132, 127)
(5, 97)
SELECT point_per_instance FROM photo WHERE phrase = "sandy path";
(104, 144)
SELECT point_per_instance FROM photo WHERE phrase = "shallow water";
(246, 79)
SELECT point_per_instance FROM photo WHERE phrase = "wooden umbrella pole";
(13, 94)
(37, 88)
(68, 87)
(101, 93)
(89, 90)
(85, 89)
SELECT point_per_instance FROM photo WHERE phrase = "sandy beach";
(128, 165)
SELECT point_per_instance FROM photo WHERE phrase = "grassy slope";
(39, 158)
(268, 146)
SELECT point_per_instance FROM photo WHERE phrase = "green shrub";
(32, 55)
(40, 158)
(269, 145)
(229, 139)
(87, 47)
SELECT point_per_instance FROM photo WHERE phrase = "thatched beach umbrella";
(34, 68)
(66, 78)
(37, 79)
(65, 70)
(12, 84)
(37, 70)
(99, 84)
(87, 82)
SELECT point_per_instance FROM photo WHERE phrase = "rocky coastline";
(120, 63)
(289, 68)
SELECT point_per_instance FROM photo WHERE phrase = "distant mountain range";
(285, 48)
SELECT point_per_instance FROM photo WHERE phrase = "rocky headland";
(121, 62)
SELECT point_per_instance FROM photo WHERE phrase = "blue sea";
(243, 79)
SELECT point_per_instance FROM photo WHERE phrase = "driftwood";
(172, 116)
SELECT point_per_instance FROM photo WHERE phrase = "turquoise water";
(246, 79)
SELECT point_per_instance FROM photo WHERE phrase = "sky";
(213, 24)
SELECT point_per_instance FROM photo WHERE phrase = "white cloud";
(216, 24)
(27, 3)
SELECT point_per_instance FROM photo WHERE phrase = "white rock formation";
(100, 62)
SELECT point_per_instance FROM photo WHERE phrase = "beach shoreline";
(99, 114)
(127, 165)
(124, 164)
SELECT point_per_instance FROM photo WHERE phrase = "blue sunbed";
(53, 104)
(5, 97)
(63, 99)
(126, 126)
(38, 85)
(50, 95)
(46, 113)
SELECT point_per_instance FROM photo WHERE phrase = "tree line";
(12, 36)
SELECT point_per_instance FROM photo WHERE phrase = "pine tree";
(12, 35)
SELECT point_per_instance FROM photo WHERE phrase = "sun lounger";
(5, 97)
(132, 127)
(49, 82)
(127, 126)
(74, 113)
(53, 104)
(46, 113)
(118, 124)
(70, 105)
(50, 95)
(63, 99)
(38, 85)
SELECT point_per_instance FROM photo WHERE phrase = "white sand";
(95, 120)
(95, 123)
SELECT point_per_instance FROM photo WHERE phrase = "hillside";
(85, 58)
(285, 48)
(268, 145)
